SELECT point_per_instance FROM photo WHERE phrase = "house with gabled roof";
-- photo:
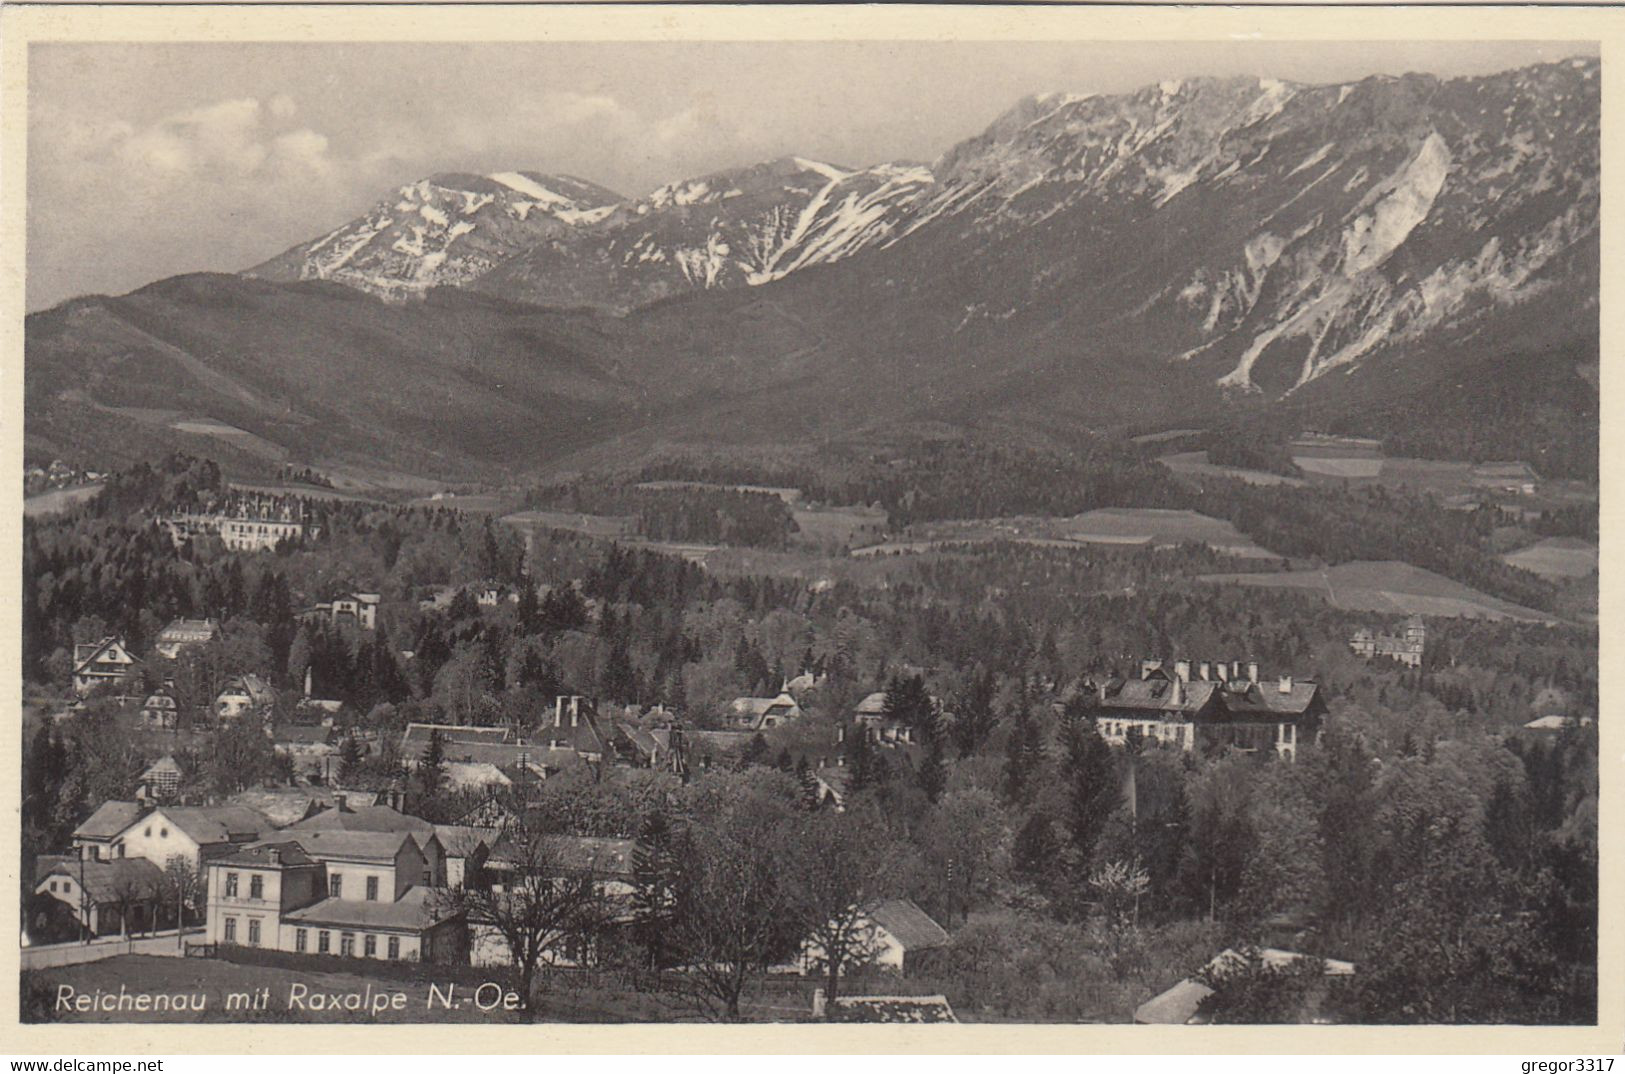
(161, 780)
(757, 713)
(96, 836)
(161, 711)
(375, 819)
(193, 833)
(894, 934)
(118, 897)
(245, 696)
(349, 893)
(101, 663)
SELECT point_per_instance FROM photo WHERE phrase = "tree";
(431, 772)
(964, 845)
(1248, 990)
(540, 899)
(734, 911)
(350, 757)
(934, 773)
(1092, 786)
(654, 869)
(974, 718)
(182, 889)
(843, 865)
(908, 703)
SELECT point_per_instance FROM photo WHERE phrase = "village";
(374, 739)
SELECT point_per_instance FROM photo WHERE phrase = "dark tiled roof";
(106, 881)
(374, 818)
(578, 853)
(109, 819)
(381, 847)
(1158, 695)
(908, 924)
(414, 911)
(218, 824)
(1267, 698)
(259, 856)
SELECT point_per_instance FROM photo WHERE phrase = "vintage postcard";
(810, 529)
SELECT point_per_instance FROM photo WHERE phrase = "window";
(148, 831)
(347, 944)
(53, 885)
(335, 885)
(394, 947)
(370, 946)
(372, 889)
(231, 930)
(300, 940)
(163, 833)
(253, 932)
(323, 943)
(231, 885)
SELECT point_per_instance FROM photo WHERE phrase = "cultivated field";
(1391, 587)
(1148, 526)
(1556, 557)
(1196, 464)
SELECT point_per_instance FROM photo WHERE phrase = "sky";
(148, 160)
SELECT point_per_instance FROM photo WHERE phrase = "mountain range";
(1197, 252)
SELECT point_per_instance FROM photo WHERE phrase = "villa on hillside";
(1407, 647)
(1221, 706)
(101, 663)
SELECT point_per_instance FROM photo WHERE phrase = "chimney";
(558, 711)
(1100, 690)
(341, 803)
(307, 681)
(1182, 670)
(840, 734)
(1204, 671)
(1179, 692)
(1224, 671)
(1286, 684)
(1252, 671)
(273, 855)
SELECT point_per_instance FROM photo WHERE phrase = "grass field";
(1196, 464)
(1389, 586)
(839, 527)
(612, 526)
(58, 500)
(1130, 526)
(1556, 557)
(1160, 528)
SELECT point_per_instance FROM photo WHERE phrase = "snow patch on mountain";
(1376, 234)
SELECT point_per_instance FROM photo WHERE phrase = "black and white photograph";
(1086, 532)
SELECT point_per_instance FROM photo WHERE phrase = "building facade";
(1407, 647)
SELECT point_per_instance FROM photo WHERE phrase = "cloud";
(218, 187)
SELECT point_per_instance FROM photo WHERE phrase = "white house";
(100, 663)
(894, 933)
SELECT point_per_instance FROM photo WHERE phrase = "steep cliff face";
(1195, 252)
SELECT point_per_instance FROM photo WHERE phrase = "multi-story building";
(101, 663)
(347, 893)
(1221, 706)
(358, 610)
(1407, 647)
(184, 634)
